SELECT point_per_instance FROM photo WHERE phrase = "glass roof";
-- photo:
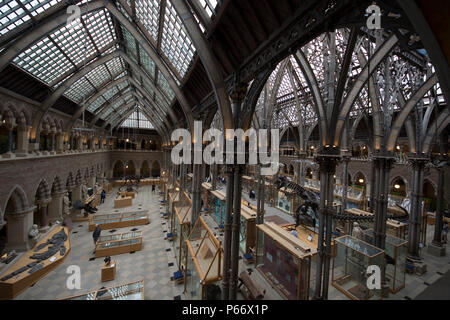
(64, 51)
(137, 120)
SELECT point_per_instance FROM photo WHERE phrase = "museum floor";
(155, 262)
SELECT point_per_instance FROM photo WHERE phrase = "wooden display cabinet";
(204, 261)
(127, 291)
(119, 220)
(118, 244)
(108, 271)
(174, 197)
(182, 227)
(306, 235)
(284, 261)
(123, 202)
(11, 287)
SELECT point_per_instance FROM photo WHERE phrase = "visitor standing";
(153, 188)
(103, 196)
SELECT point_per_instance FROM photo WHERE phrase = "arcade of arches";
(361, 157)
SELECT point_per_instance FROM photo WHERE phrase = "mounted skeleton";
(308, 212)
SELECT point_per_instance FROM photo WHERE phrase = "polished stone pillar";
(55, 207)
(436, 247)
(344, 183)
(22, 141)
(9, 153)
(76, 195)
(43, 213)
(59, 142)
(18, 226)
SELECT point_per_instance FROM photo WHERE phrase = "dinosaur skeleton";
(130, 184)
(307, 213)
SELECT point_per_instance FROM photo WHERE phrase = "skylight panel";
(209, 6)
(74, 42)
(96, 104)
(175, 43)
(11, 16)
(110, 93)
(164, 85)
(98, 76)
(43, 60)
(147, 11)
(101, 28)
(147, 62)
(38, 6)
(79, 90)
(137, 120)
(115, 66)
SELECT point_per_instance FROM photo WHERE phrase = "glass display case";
(350, 262)
(396, 251)
(128, 291)
(118, 243)
(285, 261)
(218, 211)
(285, 202)
(174, 196)
(247, 234)
(204, 262)
(119, 220)
(182, 226)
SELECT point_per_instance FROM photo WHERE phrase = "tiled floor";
(150, 264)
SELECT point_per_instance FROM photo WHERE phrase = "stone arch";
(118, 169)
(70, 181)
(130, 168)
(156, 169)
(57, 185)
(145, 169)
(17, 201)
(402, 182)
(42, 190)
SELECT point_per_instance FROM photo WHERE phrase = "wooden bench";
(249, 289)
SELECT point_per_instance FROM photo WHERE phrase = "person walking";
(153, 188)
(444, 232)
(96, 234)
(103, 196)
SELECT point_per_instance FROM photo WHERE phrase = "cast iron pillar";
(415, 217)
(227, 233)
(346, 160)
(236, 226)
(439, 223)
(327, 159)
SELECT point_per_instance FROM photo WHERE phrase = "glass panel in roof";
(98, 76)
(164, 85)
(209, 6)
(38, 6)
(107, 112)
(43, 60)
(122, 84)
(115, 66)
(137, 120)
(100, 27)
(147, 62)
(130, 41)
(11, 16)
(110, 93)
(175, 43)
(74, 42)
(94, 105)
(147, 11)
(79, 90)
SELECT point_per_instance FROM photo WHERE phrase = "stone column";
(52, 142)
(9, 153)
(43, 213)
(18, 226)
(76, 195)
(22, 141)
(55, 207)
(91, 182)
(59, 142)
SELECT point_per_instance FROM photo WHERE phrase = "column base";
(437, 251)
(52, 152)
(8, 155)
(18, 247)
(21, 154)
